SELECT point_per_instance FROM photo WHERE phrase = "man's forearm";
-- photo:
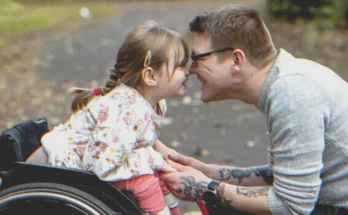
(252, 200)
(253, 176)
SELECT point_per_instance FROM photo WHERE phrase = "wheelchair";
(42, 189)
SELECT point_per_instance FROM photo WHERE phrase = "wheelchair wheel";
(51, 199)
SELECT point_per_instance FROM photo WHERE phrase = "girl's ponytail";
(85, 95)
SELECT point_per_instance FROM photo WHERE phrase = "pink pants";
(149, 190)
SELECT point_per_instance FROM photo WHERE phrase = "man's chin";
(205, 98)
(210, 98)
(209, 95)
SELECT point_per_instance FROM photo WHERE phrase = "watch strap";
(213, 185)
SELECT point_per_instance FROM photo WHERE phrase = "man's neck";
(250, 92)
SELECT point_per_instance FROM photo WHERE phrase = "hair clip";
(147, 60)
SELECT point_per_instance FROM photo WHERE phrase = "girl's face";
(172, 81)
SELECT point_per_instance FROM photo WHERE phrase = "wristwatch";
(211, 195)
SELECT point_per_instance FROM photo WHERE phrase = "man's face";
(214, 74)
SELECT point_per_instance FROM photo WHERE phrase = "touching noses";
(193, 69)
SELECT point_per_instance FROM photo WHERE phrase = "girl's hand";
(164, 150)
(192, 162)
(167, 168)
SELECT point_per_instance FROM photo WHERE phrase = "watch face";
(209, 197)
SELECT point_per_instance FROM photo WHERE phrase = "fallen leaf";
(49, 56)
(228, 159)
(222, 132)
(197, 95)
(200, 152)
(186, 100)
(187, 120)
(35, 61)
(78, 67)
(175, 144)
(195, 110)
(251, 144)
(166, 121)
(237, 107)
(173, 103)
(94, 83)
(196, 102)
(70, 50)
(93, 67)
(85, 13)
(218, 124)
(183, 136)
(106, 42)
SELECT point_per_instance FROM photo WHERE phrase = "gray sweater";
(306, 107)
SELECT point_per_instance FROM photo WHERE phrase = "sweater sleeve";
(297, 113)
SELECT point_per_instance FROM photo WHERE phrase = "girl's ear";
(149, 76)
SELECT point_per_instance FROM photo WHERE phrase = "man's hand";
(187, 184)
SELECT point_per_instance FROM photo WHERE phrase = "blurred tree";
(327, 13)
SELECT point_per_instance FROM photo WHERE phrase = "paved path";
(231, 132)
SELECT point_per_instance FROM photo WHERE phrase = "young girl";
(113, 131)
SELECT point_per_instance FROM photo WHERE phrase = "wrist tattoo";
(240, 174)
(266, 174)
(221, 193)
(192, 190)
(252, 192)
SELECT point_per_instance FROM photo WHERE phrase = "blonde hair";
(147, 45)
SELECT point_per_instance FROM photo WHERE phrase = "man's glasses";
(197, 57)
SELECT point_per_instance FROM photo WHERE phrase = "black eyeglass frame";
(195, 58)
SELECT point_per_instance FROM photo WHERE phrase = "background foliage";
(327, 14)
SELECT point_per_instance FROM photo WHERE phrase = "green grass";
(19, 19)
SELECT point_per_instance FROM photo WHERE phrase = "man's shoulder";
(292, 83)
(293, 91)
(307, 78)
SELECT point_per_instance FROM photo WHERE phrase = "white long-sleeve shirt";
(112, 137)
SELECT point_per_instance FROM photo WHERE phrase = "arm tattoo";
(240, 174)
(193, 190)
(252, 192)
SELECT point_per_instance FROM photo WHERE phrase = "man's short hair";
(238, 27)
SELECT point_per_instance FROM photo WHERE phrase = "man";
(306, 109)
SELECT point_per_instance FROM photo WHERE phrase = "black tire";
(50, 198)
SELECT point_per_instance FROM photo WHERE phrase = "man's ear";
(149, 76)
(239, 58)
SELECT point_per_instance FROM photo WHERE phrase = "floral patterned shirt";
(112, 137)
